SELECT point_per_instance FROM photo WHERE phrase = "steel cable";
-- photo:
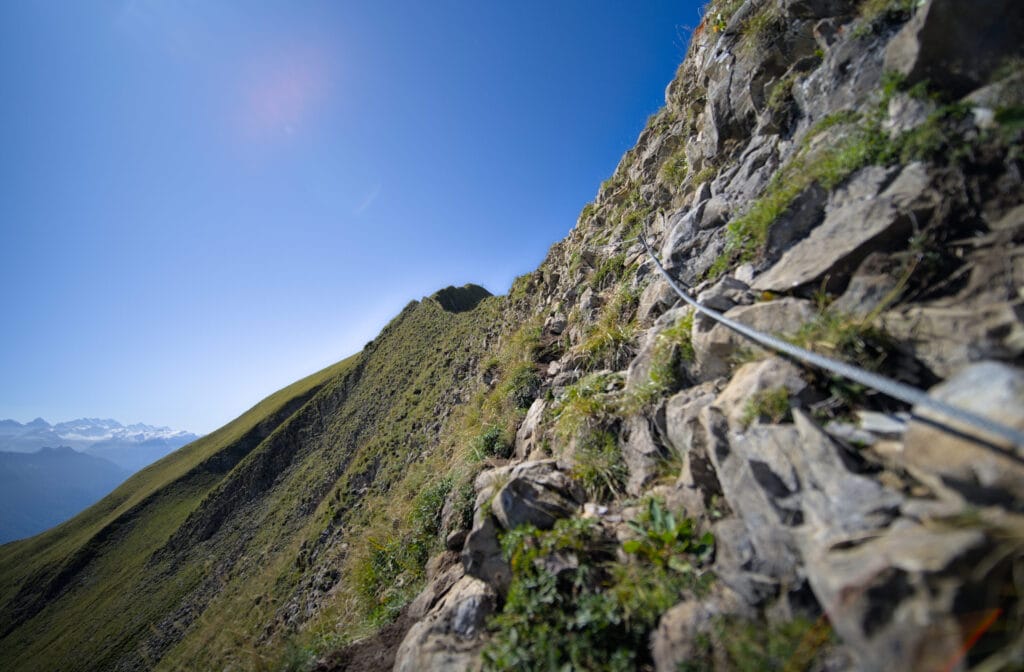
(887, 386)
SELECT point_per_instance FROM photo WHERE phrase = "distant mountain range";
(130, 447)
(48, 473)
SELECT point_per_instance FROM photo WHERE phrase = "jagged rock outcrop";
(804, 180)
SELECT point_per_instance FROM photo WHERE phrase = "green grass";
(772, 405)
(675, 167)
(598, 465)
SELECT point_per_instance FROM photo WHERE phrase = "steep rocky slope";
(584, 473)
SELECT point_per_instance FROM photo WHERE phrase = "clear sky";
(202, 201)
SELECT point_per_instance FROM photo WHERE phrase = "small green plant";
(587, 404)
(599, 466)
(719, 13)
(666, 542)
(761, 28)
(610, 339)
(676, 167)
(588, 211)
(609, 270)
(673, 346)
(782, 94)
(772, 405)
(872, 13)
(493, 442)
(705, 174)
(522, 385)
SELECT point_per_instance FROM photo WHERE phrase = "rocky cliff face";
(586, 474)
(847, 174)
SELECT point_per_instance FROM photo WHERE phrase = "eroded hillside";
(585, 474)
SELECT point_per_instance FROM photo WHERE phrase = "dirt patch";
(373, 654)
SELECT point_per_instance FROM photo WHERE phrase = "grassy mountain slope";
(123, 528)
(225, 526)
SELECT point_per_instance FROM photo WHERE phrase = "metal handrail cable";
(887, 386)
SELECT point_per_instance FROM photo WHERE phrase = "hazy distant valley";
(48, 473)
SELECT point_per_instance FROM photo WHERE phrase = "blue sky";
(203, 201)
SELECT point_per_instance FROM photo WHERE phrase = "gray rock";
(643, 455)
(482, 557)
(656, 298)
(802, 215)
(639, 372)
(954, 49)
(697, 481)
(950, 455)
(452, 634)
(767, 374)
(536, 493)
(455, 540)
(852, 228)
(725, 294)
(676, 639)
(715, 345)
(817, 9)
(528, 436)
(759, 487)
(434, 591)
(882, 424)
(894, 599)
(948, 338)
(870, 287)
(835, 501)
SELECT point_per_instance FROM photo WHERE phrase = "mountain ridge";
(583, 473)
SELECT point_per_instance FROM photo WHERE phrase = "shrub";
(664, 541)
(570, 606)
(673, 346)
(493, 442)
(522, 386)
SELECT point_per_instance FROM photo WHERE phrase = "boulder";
(697, 480)
(536, 493)
(677, 638)
(836, 502)
(768, 374)
(952, 456)
(452, 633)
(948, 338)
(898, 600)
(715, 345)
(954, 49)
(855, 224)
(656, 298)
(760, 486)
(482, 557)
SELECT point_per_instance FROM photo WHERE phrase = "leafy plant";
(493, 442)
(664, 541)
(570, 606)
